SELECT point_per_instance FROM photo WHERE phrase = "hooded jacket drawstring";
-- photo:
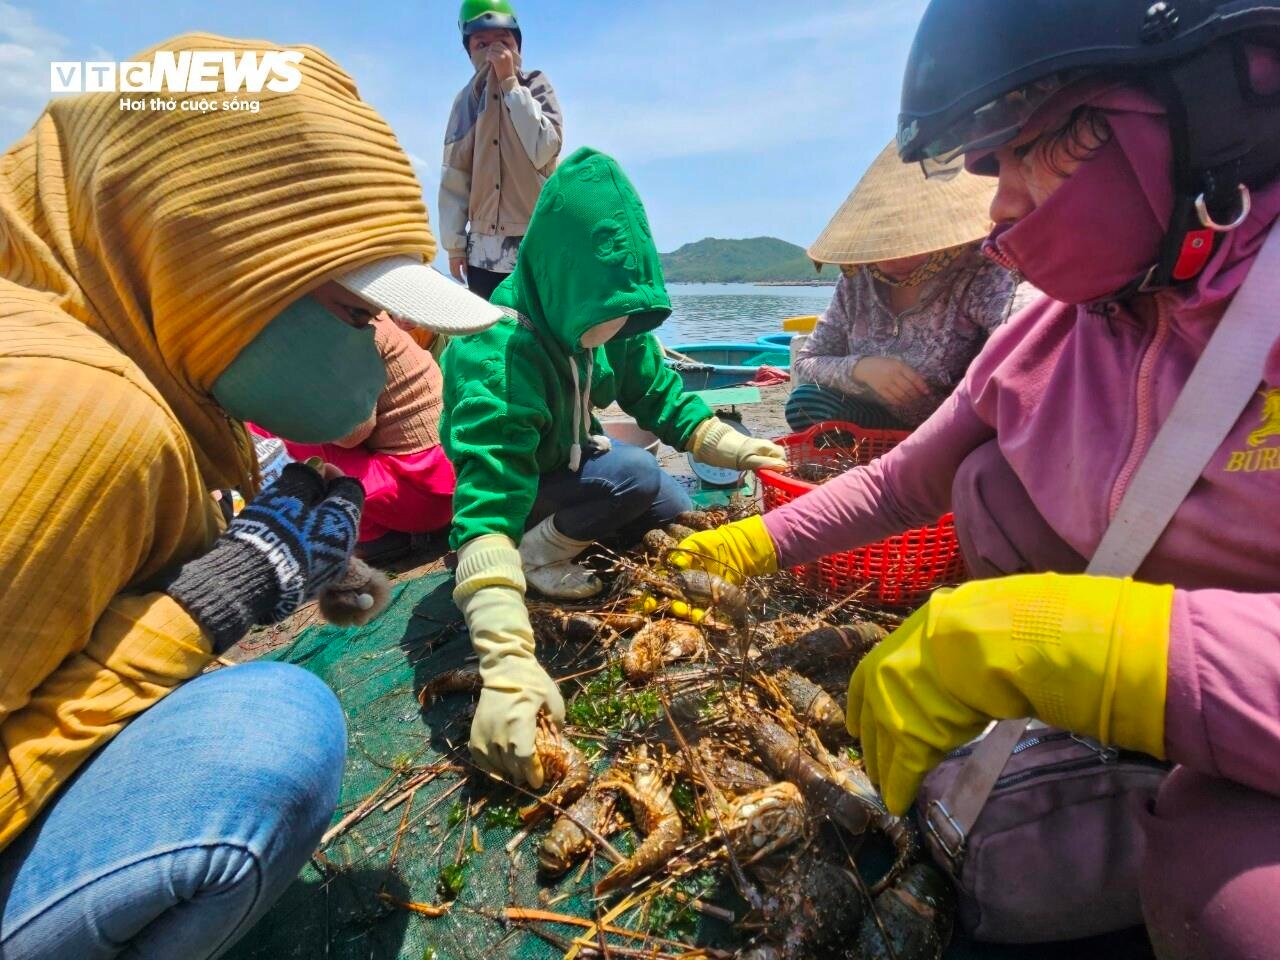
(581, 409)
(575, 450)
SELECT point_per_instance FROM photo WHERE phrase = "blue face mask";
(307, 377)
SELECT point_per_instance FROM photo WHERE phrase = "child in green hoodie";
(532, 465)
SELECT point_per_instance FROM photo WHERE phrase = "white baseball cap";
(414, 291)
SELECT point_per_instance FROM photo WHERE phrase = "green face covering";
(307, 377)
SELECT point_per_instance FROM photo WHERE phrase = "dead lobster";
(846, 797)
(916, 916)
(564, 766)
(659, 643)
(812, 909)
(570, 839)
(655, 816)
(821, 650)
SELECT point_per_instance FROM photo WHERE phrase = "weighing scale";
(714, 486)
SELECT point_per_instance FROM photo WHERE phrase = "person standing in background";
(503, 138)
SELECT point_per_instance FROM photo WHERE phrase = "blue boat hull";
(716, 378)
(719, 365)
(782, 340)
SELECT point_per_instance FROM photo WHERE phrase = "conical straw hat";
(896, 212)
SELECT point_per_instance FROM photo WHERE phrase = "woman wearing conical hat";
(914, 305)
(165, 276)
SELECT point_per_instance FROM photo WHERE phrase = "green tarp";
(349, 903)
(341, 907)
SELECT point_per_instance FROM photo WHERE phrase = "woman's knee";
(293, 737)
(636, 477)
(228, 784)
(1212, 870)
(806, 406)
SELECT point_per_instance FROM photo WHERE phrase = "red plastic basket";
(899, 572)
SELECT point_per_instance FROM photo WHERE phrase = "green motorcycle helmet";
(477, 15)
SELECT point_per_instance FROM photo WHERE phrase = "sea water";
(736, 312)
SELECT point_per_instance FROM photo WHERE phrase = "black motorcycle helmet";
(979, 70)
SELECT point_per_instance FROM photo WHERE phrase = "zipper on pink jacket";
(1144, 427)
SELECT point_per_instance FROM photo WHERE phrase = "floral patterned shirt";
(938, 338)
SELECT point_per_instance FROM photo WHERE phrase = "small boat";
(777, 340)
(711, 366)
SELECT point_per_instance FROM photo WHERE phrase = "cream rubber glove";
(1089, 654)
(735, 551)
(490, 594)
(716, 443)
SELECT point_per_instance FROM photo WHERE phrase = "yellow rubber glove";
(718, 444)
(1089, 654)
(490, 594)
(736, 551)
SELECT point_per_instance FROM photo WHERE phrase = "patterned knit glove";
(287, 544)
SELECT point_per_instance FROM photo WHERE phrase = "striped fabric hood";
(177, 235)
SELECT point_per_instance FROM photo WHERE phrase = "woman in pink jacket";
(1138, 155)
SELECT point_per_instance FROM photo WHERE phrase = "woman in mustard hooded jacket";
(163, 275)
(518, 425)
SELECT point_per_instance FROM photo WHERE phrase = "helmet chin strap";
(1225, 137)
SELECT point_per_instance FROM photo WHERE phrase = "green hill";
(761, 259)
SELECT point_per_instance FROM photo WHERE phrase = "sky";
(740, 118)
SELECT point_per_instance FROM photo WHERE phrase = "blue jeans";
(619, 495)
(185, 828)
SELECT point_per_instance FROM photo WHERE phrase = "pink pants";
(404, 493)
(1210, 886)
